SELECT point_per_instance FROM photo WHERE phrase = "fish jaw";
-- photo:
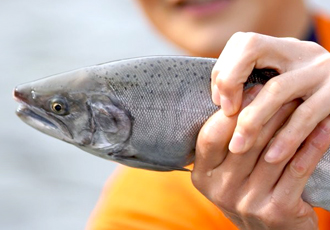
(37, 118)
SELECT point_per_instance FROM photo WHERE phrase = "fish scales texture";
(143, 112)
(172, 95)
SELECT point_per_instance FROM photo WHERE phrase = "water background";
(46, 183)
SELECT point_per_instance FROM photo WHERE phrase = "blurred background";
(46, 183)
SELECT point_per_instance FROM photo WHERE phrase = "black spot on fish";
(116, 74)
(166, 60)
(159, 61)
(146, 83)
(159, 75)
(134, 75)
(176, 75)
(195, 74)
(207, 68)
(181, 63)
(145, 71)
(201, 91)
(137, 84)
(193, 64)
(141, 97)
(174, 66)
(127, 75)
(168, 83)
(187, 69)
(202, 77)
(169, 68)
(135, 66)
(182, 80)
(152, 65)
(152, 76)
(151, 91)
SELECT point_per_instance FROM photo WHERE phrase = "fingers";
(212, 157)
(296, 174)
(247, 162)
(303, 121)
(275, 93)
(213, 138)
(246, 51)
(302, 75)
(233, 67)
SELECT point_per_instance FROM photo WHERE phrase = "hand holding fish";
(251, 192)
(303, 69)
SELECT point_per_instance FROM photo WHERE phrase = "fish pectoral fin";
(102, 107)
(110, 119)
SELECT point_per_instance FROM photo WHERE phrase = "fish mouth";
(43, 122)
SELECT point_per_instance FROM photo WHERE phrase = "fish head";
(74, 107)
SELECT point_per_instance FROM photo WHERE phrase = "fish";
(142, 112)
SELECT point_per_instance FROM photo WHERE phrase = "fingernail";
(237, 143)
(226, 105)
(273, 154)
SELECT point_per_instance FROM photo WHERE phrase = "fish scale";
(143, 112)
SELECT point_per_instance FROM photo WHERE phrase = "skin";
(255, 173)
(208, 33)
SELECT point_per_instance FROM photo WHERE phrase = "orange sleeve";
(138, 199)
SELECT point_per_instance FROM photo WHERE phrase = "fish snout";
(22, 94)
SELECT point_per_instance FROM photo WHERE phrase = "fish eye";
(59, 107)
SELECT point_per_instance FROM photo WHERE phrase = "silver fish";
(143, 112)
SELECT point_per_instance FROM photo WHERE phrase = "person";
(250, 165)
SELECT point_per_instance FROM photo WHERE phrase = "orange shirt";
(137, 199)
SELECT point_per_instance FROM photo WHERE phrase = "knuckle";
(246, 41)
(247, 121)
(223, 200)
(237, 36)
(274, 86)
(315, 48)
(197, 180)
(289, 139)
(206, 139)
(305, 113)
(298, 168)
(321, 62)
(225, 84)
(321, 136)
(274, 214)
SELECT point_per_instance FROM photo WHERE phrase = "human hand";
(252, 193)
(304, 69)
